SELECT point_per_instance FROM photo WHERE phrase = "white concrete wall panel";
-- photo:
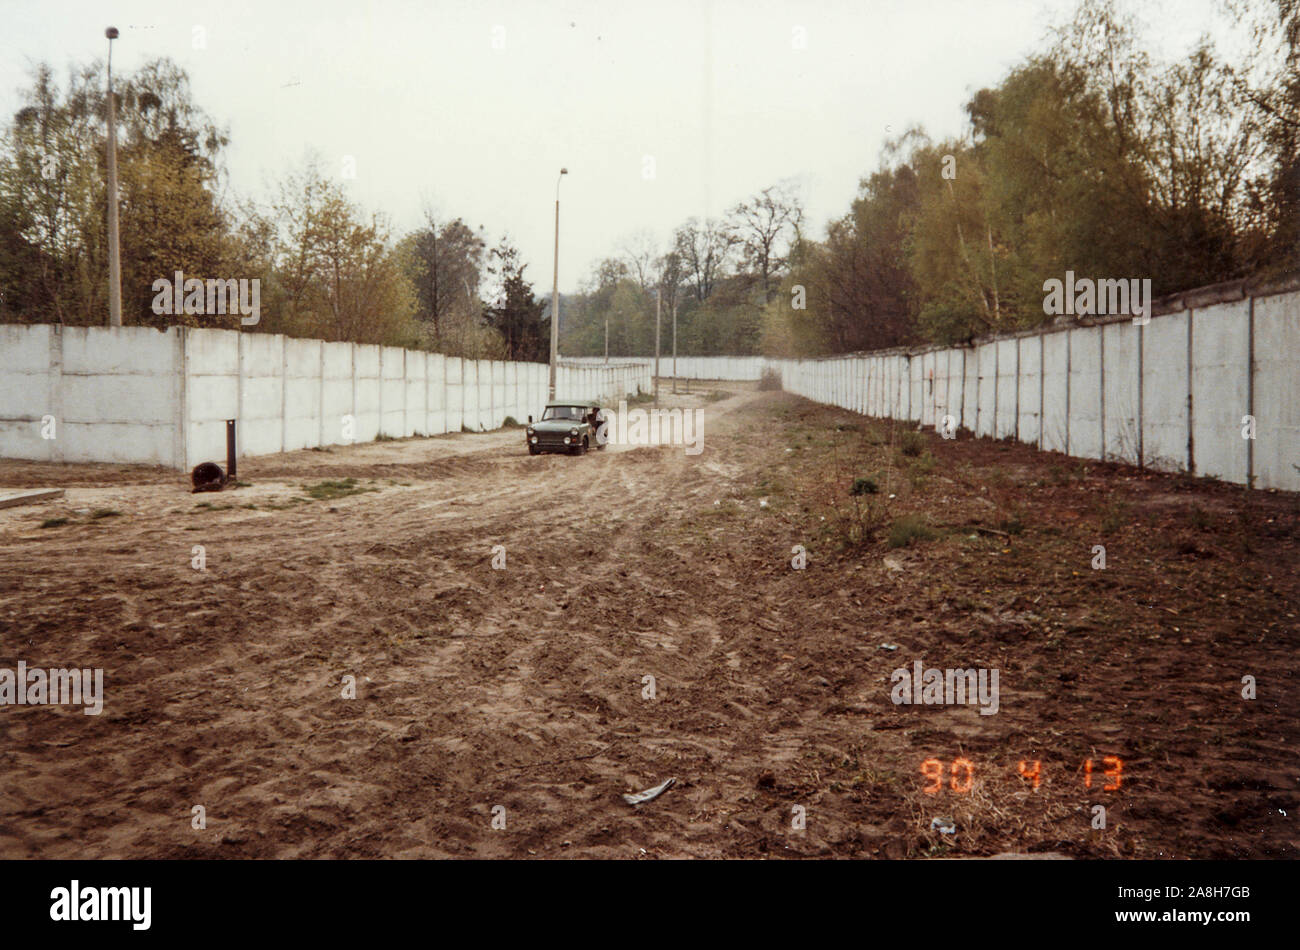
(337, 392)
(261, 402)
(436, 394)
(416, 396)
(986, 393)
(393, 397)
(1030, 418)
(1164, 392)
(1056, 353)
(970, 392)
(1008, 370)
(1277, 392)
(301, 415)
(212, 392)
(1085, 392)
(1120, 352)
(454, 367)
(1220, 389)
(368, 392)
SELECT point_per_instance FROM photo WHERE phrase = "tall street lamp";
(658, 302)
(114, 254)
(674, 340)
(555, 286)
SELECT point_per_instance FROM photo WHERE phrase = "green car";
(566, 426)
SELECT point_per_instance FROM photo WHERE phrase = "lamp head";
(111, 33)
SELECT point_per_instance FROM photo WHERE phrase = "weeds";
(1113, 516)
(924, 465)
(329, 490)
(912, 443)
(910, 528)
(864, 486)
(858, 519)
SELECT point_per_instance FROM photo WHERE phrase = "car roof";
(570, 402)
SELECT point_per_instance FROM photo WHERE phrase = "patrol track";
(525, 687)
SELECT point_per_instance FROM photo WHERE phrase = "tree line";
(327, 268)
(1087, 157)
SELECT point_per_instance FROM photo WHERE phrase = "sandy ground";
(520, 696)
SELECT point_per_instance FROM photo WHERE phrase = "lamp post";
(674, 342)
(114, 254)
(555, 286)
(659, 296)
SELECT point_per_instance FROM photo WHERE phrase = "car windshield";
(573, 413)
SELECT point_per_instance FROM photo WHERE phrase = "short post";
(230, 450)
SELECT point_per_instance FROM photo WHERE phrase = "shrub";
(912, 443)
(924, 464)
(910, 528)
(864, 486)
(1113, 516)
(769, 379)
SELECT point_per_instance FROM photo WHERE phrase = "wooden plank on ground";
(12, 499)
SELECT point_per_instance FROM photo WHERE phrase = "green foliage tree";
(516, 313)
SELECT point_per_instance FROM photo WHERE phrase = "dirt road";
(523, 696)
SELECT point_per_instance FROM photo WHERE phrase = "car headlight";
(530, 430)
(573, 431)
(566, 440)
(533, 440)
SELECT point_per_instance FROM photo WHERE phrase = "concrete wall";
(82, 394)
(91, 394)
(1172, 394)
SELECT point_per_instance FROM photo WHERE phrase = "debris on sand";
(650, 794)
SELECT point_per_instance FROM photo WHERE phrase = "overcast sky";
(718, 94)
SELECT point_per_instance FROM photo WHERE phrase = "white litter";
(650, 794)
